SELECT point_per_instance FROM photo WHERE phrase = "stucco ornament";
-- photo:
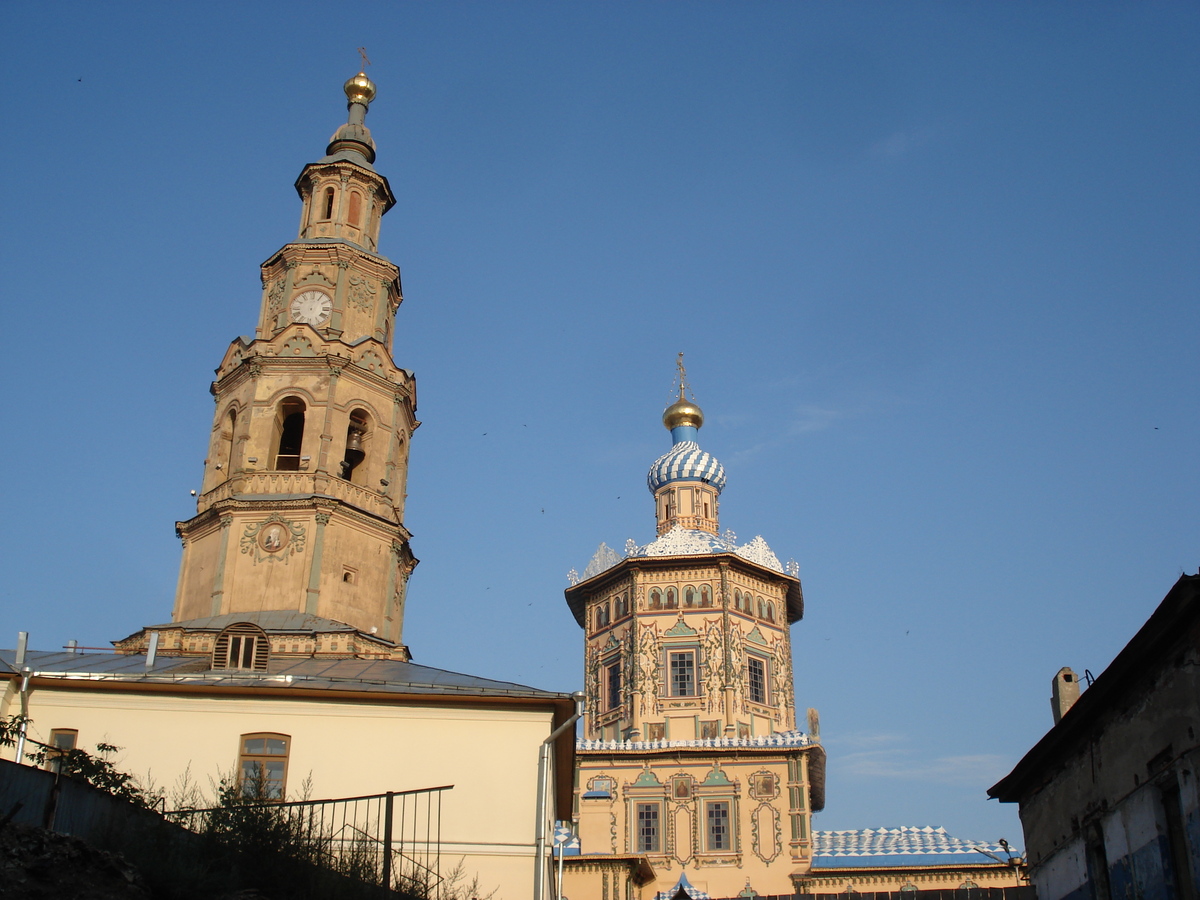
(275, 539)
(362, 292)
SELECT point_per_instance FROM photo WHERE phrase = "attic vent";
(241, 647)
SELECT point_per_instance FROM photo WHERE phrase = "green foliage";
(10, 729)
(96, 769)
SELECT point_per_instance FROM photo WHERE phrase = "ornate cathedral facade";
(690, 758)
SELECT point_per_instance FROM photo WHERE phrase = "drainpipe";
(539, 862)
(25, 673)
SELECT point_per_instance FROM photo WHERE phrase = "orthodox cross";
(362, 51)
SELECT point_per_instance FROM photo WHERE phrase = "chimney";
(152, 650)
(1064, 693)
(22, 644)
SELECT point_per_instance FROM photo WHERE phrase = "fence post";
(387, 845)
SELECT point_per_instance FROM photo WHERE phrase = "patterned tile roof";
(907, 845)
(685, 461)
(780, 739)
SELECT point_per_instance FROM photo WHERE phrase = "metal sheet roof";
(371, 675)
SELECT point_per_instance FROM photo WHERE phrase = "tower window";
(756, 671)
(262, 765)
(355, 207)
(717, 821)
(328, 203)
(291, 435)
(682, 672)
(647, 828)
(614, 685)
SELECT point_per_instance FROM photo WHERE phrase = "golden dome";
(360, 89)
(682, 412)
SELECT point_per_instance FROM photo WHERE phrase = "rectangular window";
(718, 825)
(757, 671)
(262, 765)
(614, 685)
(62, 741)
(682, 666)
(647, 828)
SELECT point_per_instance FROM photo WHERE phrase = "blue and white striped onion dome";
(685, 461)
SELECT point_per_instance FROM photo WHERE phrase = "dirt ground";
(40, 865)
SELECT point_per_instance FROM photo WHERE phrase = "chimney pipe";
(1064, 691)
(22, 644)
(152, 650)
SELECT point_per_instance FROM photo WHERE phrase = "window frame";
(259, 758)
(651, 842)
(613, 685)
(710, 832)
(765, 685)
(688, 653)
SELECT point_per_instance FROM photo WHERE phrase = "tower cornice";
(577, 594)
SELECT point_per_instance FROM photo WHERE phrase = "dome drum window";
(242, 647)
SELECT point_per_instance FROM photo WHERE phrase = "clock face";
(312, 307)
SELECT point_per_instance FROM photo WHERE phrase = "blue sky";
(934, 267)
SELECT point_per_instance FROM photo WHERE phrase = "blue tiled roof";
(685, 461)
(897, 847)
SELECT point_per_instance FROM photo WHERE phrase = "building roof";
(382, 676)
(762, 741)
(685, 461)
(1126, 679)
(272, 621)
(898, 848)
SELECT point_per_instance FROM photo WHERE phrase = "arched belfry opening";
(357, 434)
(289, 424)
(226, 441)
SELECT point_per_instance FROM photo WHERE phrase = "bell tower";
(302, 502)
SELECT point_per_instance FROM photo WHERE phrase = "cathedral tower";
(302, 504)
(690, 758)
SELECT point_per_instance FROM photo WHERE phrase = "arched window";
(705, 595)
(242, 647)
(356, 436)
(262, 765)
(689, 596)
(655, 598)
(355, 207)
(290, 425)
(328, 204)
(226, 443)
(671, 601)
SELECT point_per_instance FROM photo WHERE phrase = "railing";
(299, 483)
(391, 839)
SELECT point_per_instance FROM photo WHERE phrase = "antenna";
(362, 51)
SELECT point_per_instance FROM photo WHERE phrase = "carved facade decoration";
(275, 539)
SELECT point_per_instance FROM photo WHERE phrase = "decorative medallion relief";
(362, 292)
(275, 539)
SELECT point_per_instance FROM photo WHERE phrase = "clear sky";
(934, 266)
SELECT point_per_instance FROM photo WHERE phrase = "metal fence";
(391, 839)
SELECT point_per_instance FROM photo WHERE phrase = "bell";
(354, 449)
